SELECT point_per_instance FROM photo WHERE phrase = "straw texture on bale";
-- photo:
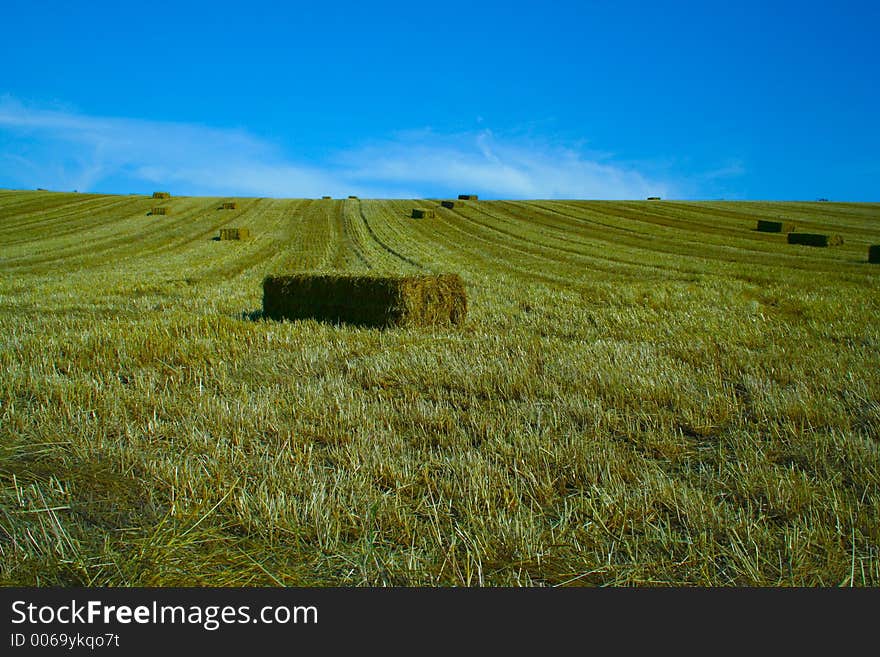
(765, 226)
(234, 233)
(229, 205)
(376, 301)
(448, 204)
(874, 253)
(161, 194)
(467, 197)
(160, 210)
(420, 213)
(814, 239)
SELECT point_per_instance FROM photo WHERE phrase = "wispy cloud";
(67, 150)
(482, 162)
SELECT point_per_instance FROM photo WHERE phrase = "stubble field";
(644, 393)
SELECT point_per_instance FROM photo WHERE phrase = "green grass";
(644, 393)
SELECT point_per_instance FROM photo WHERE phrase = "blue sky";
(690, 100)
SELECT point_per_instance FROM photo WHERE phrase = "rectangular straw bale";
(814, 239)
(160, 209)
(653, 198)
(765, 226)
(326, 198)
(421, 213)
(234, 233)
(874, 253)
(367, 300)
(467, 197)
(229, 205)
(161, 194)
(448, 204)
(352, 197)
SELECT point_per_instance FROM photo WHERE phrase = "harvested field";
(640, 394)
(377, 301)
(814, 239)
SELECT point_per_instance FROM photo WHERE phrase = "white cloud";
(65, 150)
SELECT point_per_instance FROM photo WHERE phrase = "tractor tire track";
(382, 244)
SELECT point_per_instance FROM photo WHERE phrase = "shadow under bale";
(765, 226)
(814, 239)
(374, 301)
(874, 254)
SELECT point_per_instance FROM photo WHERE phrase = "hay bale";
(234, 233)
(653, 198)
(448, 204)
(421, 213)
(377, 301)
(874, 253)
(352, 197)
(467, 197)
(160, 209)
(765, 226)
(814, 239)
(229, 205)
(161, 194)
(326, 198)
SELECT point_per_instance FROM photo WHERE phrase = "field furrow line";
(351, 253)
(382, 244)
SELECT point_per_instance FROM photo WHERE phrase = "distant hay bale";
(161, 194)
(229, 205)
(467, 197)
(160, 209)
(421, 213)
(326, 198)
(814, 239)
(448, 204)
(653, 198)
(874, 253)
(352, 197)
(765, 226)
(234, 233)
(367, 300)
